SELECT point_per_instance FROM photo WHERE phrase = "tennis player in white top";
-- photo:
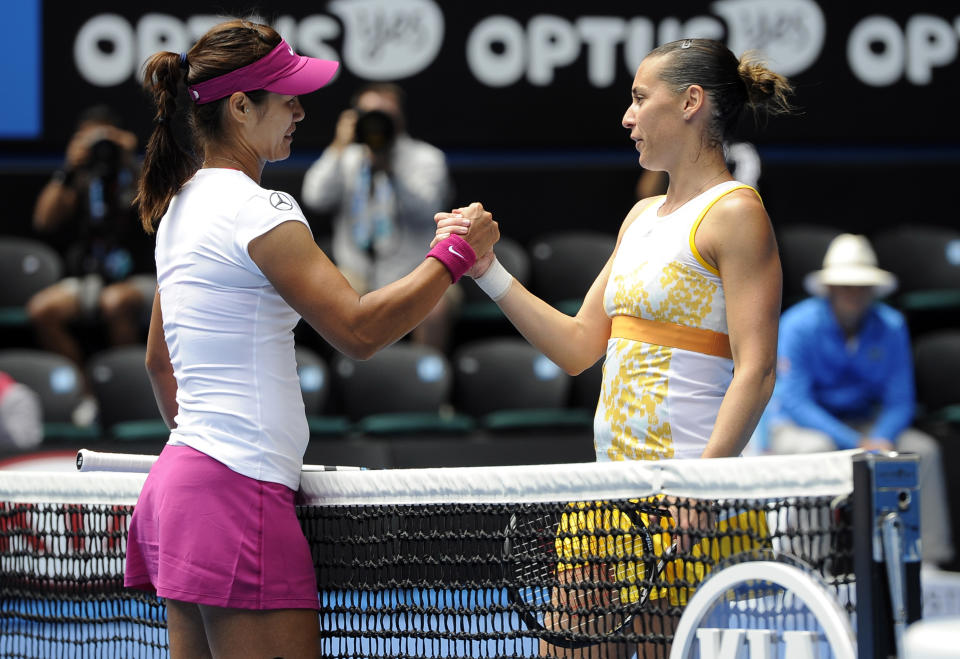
(215, 531)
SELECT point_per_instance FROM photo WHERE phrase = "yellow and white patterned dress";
(658, 401)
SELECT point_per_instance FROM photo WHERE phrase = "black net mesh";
(591, 578)
(594, 578)
(61, 585)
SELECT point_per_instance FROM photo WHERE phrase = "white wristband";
(496, 281)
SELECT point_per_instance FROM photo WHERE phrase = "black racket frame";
(652, 564)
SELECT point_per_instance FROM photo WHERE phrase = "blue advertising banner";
(20, 62)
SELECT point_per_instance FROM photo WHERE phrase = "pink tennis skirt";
(203, 533)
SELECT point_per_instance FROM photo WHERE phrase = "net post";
(886, 524)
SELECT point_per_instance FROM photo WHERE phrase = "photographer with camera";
(382, 187)
(86, 210)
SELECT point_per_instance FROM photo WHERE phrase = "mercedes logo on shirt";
(280, 201)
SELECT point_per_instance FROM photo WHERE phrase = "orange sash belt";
(671, 335)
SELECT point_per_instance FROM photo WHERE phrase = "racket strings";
(530, 550)
(581, 604)
(593, 610)
(591, 603)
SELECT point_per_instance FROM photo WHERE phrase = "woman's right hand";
(448, 223)
(475, 225)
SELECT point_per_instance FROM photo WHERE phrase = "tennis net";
(550, 560)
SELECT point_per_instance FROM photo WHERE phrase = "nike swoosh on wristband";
(453, 251)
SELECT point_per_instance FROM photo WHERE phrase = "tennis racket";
(585, 596)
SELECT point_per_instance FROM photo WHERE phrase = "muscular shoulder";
(740, 206)
(262, 201)
(264, 209)
(736, 225)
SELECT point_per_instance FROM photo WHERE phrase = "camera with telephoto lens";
(105, 156)
(376, 129)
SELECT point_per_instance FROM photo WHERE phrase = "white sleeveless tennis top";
(229, 332)
(656, 401)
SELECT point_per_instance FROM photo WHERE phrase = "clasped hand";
(476, 226)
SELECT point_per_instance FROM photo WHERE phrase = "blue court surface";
(94, 629)
(387, 623)
(441, 616)
(362, 624)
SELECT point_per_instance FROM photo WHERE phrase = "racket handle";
(88, 460)
(331, 468)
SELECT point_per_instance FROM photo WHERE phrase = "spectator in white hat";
(845, 377)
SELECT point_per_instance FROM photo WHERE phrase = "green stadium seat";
(404, 389)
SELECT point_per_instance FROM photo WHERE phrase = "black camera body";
(376, 129)
(105, 156)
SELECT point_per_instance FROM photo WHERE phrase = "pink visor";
(281, 71)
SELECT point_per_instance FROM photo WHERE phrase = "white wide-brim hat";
(850, 261)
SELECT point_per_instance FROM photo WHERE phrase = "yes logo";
(389, 39)
(789, 33)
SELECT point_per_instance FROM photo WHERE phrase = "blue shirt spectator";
(827, 381)
(845, 378)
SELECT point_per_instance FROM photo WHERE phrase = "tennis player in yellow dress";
(685, 311)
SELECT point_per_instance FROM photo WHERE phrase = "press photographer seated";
(85, 210)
